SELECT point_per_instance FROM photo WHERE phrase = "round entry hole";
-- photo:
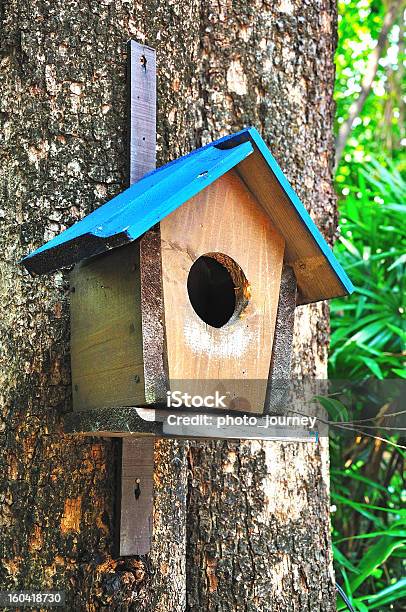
(218, 289)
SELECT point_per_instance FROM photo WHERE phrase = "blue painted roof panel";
(301, 210)
(134, 211)
(137, 209)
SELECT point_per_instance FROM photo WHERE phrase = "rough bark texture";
(254, 515)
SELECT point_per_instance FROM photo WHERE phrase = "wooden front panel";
(224, 218)
(106, 339)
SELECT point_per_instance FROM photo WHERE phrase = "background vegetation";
(368, 328)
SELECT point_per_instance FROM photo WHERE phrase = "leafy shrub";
(368, 339)
(368, 331)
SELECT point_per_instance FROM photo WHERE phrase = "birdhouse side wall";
(106, 336)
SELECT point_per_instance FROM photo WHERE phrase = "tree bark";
(236, 526)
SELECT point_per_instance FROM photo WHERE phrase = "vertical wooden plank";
(142, 110)
(279, 372)
(142, 159)
(137, 456)
(137, 490)
(153, 318)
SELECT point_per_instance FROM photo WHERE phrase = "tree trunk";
(236, 526)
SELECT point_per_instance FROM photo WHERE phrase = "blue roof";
(134, 211)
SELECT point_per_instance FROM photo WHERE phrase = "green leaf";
(351, 473)
(361, 606)
(359, 507)
(374, 557)
(333, 407)
(347, 589)
(373, 366)
(350, 247)
(399, 372)
(394, 592)
(398, 262)
(343, 561)
(373, 534)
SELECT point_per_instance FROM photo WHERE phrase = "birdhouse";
(190, 277)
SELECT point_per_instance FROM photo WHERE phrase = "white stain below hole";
(231, 341)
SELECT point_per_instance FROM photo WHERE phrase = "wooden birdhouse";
(190, 277)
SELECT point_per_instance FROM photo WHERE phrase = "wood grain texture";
(135, 515)
(153, 317)
(313, 272)
(279, 371)
(106, 347)
(141, 74)
(224, 218)
(137, 490)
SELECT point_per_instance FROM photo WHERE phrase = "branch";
(369, 76)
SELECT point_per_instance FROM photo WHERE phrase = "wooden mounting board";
(141, 76)
(137, 491)
(137, 456)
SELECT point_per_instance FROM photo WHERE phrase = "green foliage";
(380, 127)
(368, 328)
(369, 524)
